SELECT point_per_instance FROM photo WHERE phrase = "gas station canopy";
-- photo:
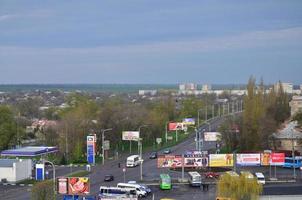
(29, 151)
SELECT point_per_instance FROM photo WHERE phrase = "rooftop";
(29, 151)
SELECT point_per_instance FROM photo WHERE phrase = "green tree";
(238, 187)
(8, 128)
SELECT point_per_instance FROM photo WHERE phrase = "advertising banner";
(130, 135)
(277, 159)
(221, 160)
(169, 161)
(189, 121)
(62, 185)
(91, 149)
(196, 160)
(212, 136)
(248, 159)
(265, 158)
(78, 186)
(173, 126)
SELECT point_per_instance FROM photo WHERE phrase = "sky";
(150, 41)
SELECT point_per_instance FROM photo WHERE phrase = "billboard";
(248, 159)
(265, 158)
(62, 185)
(91, 149)
(196, 160)
(221, 160)
(130, 135)
(212, 136)
(277, 159)
(189, 121)
(169, 161)
(106, 145)
(173, 126)
(78, 185)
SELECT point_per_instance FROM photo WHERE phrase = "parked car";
(211, 175)
(153, 155)
(145, 187)
(109, 177)
(167, 151)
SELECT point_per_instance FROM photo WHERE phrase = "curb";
(81, 165)
(16, 184)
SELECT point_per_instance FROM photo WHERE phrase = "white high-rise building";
(206, 87)
(188, 86)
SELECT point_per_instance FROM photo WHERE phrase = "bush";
(43, 190)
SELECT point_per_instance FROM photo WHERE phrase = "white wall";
(21, 170)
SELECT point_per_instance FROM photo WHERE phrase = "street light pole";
(103, 150)
(140, 152)
(53, 176)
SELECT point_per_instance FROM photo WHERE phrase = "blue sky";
(150, 41)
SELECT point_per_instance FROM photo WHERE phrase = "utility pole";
(103, 137)
(213, 114)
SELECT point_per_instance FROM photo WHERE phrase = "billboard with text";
(130, 135)
(277, 159)
(221, 160)
(196, 160)
(189, 121)
(248, 159)
(212, 136)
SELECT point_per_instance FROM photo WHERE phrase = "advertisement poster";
(189, 121)
(91, 149)
(265, 158)
(212, 136)
(130, 135)
(277, 158)
(176, 126)
(248, 159)
(169, 161)
(221, 160)
(196, 160)
(78, 186)
(62, 185)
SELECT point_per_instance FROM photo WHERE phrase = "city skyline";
(164, 42)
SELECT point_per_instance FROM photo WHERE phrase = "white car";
(260, 178)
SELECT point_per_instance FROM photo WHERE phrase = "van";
(132, 161)
(260, 178)
(116, 192)
(140, 191)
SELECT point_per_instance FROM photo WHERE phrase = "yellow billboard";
(221, 160)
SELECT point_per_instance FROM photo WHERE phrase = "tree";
(238, 187)
(298, 117)
(8, 128)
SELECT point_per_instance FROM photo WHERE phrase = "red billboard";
(78, 185)
(169, 161)
(173, 126)
(277, 159)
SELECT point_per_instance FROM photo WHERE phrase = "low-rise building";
(287, 87)
(14, 170)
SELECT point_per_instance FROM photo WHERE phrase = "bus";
(140, 191)
(132, 161)
(116, 192)
(194, 179)
(165, 182)
(292, 163)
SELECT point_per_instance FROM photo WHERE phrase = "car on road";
(153, 155)
(260, 178)
(211, 175)
(167, 151)
(108, 177)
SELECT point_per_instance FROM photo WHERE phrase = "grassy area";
(79, 173)
(28, 181)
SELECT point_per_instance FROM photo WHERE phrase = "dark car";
(153, 155)
(109, 177)
(167, 151)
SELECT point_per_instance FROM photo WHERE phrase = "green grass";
(79, 173)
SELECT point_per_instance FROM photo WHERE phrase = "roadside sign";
(91, 149)
(277, 159)
(158, 140)
(40, 172)
(106, 145)
(170, 138)
(130, 135)
(249, 159)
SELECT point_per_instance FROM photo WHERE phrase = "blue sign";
(91, 149)
(39, 172)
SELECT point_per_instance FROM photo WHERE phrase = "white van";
(132, 161)
(260, 178)
(194, 179)
(140, 191)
